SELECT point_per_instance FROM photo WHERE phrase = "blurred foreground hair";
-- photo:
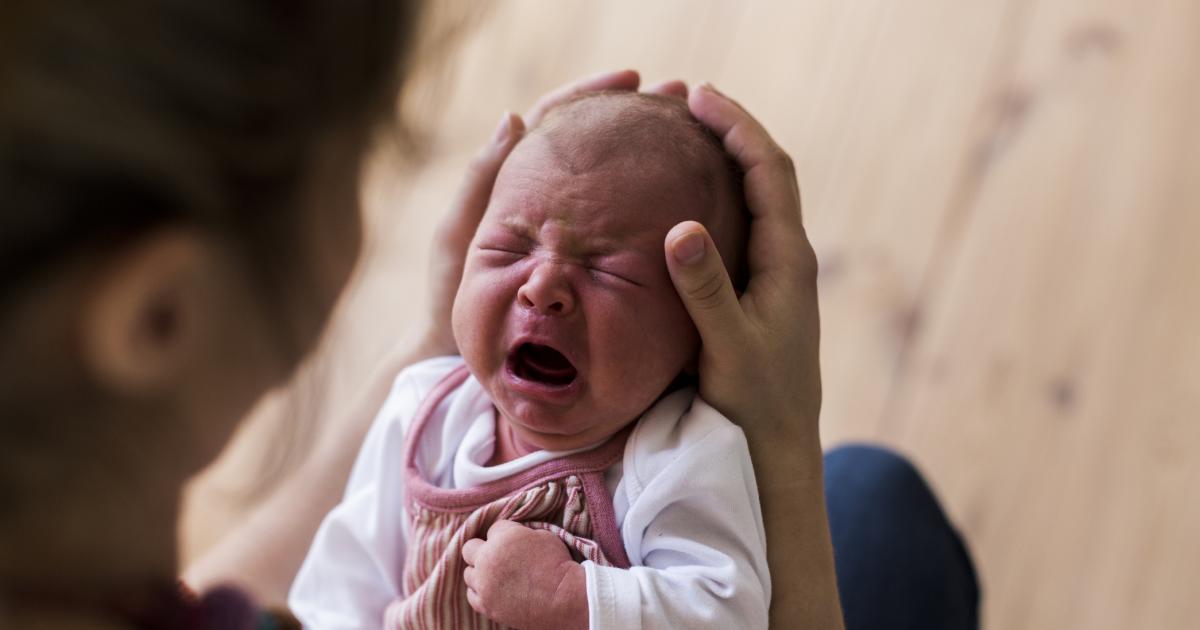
(121, 116)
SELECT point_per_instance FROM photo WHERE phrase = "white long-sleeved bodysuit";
(684, 497)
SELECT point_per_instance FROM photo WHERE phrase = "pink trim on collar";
(588, 465)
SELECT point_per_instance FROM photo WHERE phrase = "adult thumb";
(703, 284)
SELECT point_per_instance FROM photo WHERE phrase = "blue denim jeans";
(900, 564)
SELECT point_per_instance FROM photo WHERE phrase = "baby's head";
(566, 313)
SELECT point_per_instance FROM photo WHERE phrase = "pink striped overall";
(566, 496)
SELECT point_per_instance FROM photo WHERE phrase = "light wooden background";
(1005, 199)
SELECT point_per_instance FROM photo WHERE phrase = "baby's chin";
(580, 420)
(550, 430)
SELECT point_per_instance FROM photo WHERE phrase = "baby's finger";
(501, 526)
(476, 601)
(469, 577)
(620, 80)
(674, 87)
(703, 284)
(470, 550)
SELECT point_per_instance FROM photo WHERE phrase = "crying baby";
(563, 472)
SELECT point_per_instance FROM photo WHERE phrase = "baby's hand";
(525, 578)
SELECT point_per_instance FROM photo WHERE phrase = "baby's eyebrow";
(519, 227)
(578, 245)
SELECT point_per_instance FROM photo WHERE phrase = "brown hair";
(118, 117)
(124, 116)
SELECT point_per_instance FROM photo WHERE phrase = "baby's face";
(566, 313)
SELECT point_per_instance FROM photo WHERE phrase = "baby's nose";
(547, 291)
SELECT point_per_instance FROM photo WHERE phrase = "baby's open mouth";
(542, 364)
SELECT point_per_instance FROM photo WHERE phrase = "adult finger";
(772, 194)
(703, 284)
(470, 550)
(620, 80)
(457, 227)
(674, 87)
(476, 188)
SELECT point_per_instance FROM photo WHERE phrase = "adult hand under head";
(759, 360)
(457, 228)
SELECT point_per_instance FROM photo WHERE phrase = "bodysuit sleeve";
(693, 528)
(353, 569)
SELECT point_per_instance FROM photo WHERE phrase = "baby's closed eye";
(628, 267)
(620, 268)
(599, 274)
(623, 273)
(503, 250)
(504, 247)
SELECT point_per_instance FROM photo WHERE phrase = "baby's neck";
(508, 446)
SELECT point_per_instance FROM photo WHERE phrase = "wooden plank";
(1052, 392)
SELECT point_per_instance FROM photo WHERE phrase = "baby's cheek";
(487, 287)
(651, 345)
(478, 315)
(674, 335)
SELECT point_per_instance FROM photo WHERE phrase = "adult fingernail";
(689, 248)
(505, 128)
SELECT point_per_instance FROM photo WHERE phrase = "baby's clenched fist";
(525, 578)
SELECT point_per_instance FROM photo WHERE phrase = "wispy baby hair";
(654, 131)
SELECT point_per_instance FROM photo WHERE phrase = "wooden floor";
(1005, 199)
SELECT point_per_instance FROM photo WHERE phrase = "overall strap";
(605, 531)
(589, 466)
(449, 383)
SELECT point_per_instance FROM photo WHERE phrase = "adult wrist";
(785, 451)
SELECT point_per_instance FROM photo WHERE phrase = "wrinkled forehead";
(630, 137)
(640, 158)
(622, 167)
(611, 196)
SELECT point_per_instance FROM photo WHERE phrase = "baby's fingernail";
(502, 132)
(689, 248)
(707, 85)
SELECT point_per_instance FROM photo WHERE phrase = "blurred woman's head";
(178, 212)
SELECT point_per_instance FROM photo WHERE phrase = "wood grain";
(1005, 198)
